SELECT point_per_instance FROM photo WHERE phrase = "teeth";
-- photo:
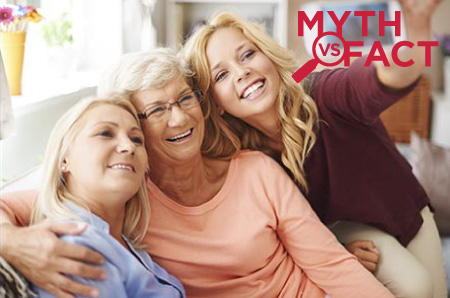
(180, 135)
(252, 88)
(122, 167)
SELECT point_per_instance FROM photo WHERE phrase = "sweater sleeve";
(16, 207)
(311, 244)
(355, 93)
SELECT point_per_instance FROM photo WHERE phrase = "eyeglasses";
(159, 111)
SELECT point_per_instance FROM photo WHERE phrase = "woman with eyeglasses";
(226, 223)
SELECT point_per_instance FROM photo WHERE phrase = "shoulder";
(356, 70)
(100, 241)
(257, 160)
(93, 238)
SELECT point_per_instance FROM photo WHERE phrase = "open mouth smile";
(252, 90)
(122, 166)
(181, 136)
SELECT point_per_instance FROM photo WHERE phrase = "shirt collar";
(89, 217)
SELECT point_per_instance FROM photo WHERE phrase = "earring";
(63, 168)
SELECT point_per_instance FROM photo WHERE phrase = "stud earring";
(63, 168)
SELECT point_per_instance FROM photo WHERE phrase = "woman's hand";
(417, 17)
(44, 260)
(366, 253)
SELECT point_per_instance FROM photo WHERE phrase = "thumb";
(63, 228)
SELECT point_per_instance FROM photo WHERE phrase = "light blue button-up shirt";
(129, 275)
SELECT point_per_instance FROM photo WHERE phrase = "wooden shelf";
(183, 16)
(411, 113)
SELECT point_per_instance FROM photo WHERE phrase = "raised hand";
(417, 15)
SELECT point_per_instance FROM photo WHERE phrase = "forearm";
(396, 76)
(6, 245)
(16, 207)
(4, 218)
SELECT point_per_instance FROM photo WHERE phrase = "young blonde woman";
(94, 176)
(328, 136)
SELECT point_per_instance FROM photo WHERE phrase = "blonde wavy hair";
(154, 69)
(297, 110)
(54, 196)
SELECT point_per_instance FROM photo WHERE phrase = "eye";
(221, 75)
(137, 140)
(248, 54)
(106, 133)
(156, 110)
(185, 99)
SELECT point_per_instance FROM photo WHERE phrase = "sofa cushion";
(13, 285)
(431, 165)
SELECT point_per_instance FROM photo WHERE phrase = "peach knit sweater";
(258, 237)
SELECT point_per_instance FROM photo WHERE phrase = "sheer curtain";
(7, 118)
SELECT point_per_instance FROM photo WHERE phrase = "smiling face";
(245, 82)
(106, 157)
(178, 136)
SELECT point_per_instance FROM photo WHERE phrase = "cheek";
(142, 160)
(142, 156)
(151, 133)
(220, 95)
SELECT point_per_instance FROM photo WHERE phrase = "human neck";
(269, 124)
(191, 183)
(112, 214)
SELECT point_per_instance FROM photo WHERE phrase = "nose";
(126, 145)
(178, 117)
(242, 73)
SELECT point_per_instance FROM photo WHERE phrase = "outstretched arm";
(417, 15)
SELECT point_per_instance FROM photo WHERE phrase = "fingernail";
(104, 275)
(95, 293)
(81, 225)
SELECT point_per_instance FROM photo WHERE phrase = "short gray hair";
(142, 71)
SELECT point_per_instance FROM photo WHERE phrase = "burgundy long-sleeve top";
(354, 171)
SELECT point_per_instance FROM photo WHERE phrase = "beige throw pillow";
(431, 165)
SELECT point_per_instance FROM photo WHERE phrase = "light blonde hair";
(156, 68)
(297, 111)
(54, 195)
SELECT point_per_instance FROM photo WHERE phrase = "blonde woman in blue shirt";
(94, 171)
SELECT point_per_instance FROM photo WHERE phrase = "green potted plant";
(57, 34)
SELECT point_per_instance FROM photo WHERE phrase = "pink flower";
(6, 15)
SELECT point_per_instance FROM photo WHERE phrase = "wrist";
(7, 231)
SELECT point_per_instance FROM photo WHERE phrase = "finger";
(68, 285)
(369, 266)
(365, 255)
(366, 244)
(68, 266)
(375, 250)
(57, 292)
(81, 253)
(63, 228)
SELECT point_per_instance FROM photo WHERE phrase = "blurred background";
(75, 41)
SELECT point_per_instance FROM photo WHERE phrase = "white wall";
(24, 150)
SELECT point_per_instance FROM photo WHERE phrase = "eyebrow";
(237, 50)
(114, 124)
(181, 93)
